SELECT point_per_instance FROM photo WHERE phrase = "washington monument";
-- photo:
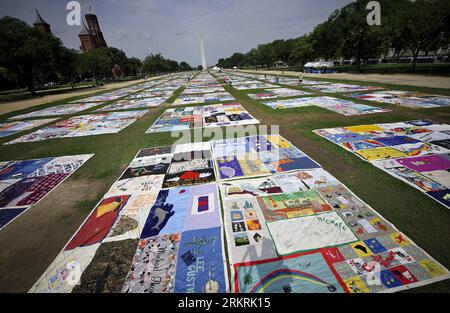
(202, 52)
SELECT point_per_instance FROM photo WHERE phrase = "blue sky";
(172, 27)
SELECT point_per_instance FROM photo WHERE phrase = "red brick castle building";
(91, 36)
(40, 24)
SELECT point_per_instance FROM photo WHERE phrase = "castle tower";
(91, 36)
(40, 24)
(94, 27)
(87, 39)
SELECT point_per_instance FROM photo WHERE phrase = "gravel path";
(7, 107)
(397, 79)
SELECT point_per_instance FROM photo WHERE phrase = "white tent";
(320, 67)
(319, 64)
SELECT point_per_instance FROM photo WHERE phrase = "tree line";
(29, 57)
(156, 63)
(407, 27)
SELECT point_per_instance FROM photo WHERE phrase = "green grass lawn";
(421, 218)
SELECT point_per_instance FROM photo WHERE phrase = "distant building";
(40, 24)
(88, 40)
(91, 37)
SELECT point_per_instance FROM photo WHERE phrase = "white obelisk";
(202, 52)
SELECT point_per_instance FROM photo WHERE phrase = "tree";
(237, 59)
(117, 56)
(253, 58)
(95, 63)
(134, 66)
(359, 39)
(221, 62)
(282, 49)
(26, 51)
(156, 63)
(184, 66)
(325, 39)
(425, 24)
(267, 54)
(302, 52)
(174, 66)
(129, 66)
(394, 24)
(65, 64)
